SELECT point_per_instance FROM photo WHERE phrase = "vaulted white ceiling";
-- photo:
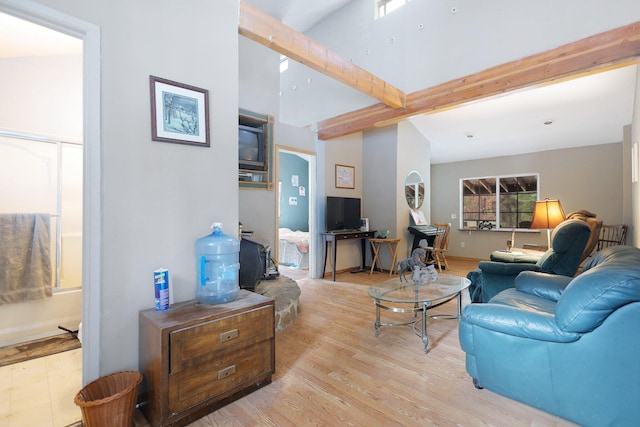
(590, 110)
(299, 14)
(586, 111)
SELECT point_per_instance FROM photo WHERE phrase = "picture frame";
(345, 176)
(179, 112)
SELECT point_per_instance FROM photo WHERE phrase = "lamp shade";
(547, 215)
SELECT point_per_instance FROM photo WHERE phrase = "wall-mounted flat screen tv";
(343, 213)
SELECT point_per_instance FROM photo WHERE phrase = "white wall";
(42, 95)
(389, 155)
(259, 82)
(382, 159)
(346, 151)
(413, 155)
(380, 189)
(158, 198)
(588, 178)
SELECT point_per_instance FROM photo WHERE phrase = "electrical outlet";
(454, 216)
(462, 244)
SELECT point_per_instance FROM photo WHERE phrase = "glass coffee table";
(407, 297)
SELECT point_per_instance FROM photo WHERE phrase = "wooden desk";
(376, 244)
(334, 237)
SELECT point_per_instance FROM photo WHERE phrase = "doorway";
(295, 216)
(41, 150)
(41, 167)
(56, 24)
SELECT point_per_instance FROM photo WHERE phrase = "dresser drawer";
(205, 342)
(197, 358)
(223, 375)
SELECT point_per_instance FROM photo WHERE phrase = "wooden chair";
(612, 235)
(440, 246)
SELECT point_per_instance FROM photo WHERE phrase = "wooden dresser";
(197, 358)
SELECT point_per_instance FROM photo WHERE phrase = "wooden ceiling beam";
(601, 52)
(270, 32)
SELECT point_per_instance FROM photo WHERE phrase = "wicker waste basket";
(110, 401)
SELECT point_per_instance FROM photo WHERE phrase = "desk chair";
(440, 246)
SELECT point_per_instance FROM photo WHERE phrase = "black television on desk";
(343, 213)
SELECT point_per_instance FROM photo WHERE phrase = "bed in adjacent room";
(293, 248)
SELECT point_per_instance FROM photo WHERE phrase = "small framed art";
(179, 112)
(345, 176)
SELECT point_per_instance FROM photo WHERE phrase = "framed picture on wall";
(345, 176)
(179, 112)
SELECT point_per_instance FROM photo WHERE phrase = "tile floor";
(40, 392)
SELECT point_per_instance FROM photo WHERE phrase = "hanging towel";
(25, 257)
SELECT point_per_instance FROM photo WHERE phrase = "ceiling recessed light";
(469, 135)
(548, 122)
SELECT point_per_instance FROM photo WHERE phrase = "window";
(384, 7)
(284, 63)
(505, 202)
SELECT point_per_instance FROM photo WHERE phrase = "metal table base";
(417, 308)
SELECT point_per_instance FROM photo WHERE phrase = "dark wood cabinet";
(258, 177)
(196, 358)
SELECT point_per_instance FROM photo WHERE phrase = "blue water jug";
(218, 266)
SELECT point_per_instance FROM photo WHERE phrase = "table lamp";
(547, 214)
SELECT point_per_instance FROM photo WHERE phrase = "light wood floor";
(331, 370)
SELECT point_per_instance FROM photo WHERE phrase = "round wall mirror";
(414, 190)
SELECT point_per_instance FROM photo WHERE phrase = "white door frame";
(92, 184)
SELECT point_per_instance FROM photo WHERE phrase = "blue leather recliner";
(568, 346)
(569, 240)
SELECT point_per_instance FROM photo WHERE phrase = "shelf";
(258, 179)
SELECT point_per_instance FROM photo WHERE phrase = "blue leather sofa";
(568, 346)
(569, 240)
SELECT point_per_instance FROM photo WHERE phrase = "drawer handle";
(224, 373)
(229, 335)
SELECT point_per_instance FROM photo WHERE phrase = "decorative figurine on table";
(382, 234)
(424, 275)
(415, 260)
